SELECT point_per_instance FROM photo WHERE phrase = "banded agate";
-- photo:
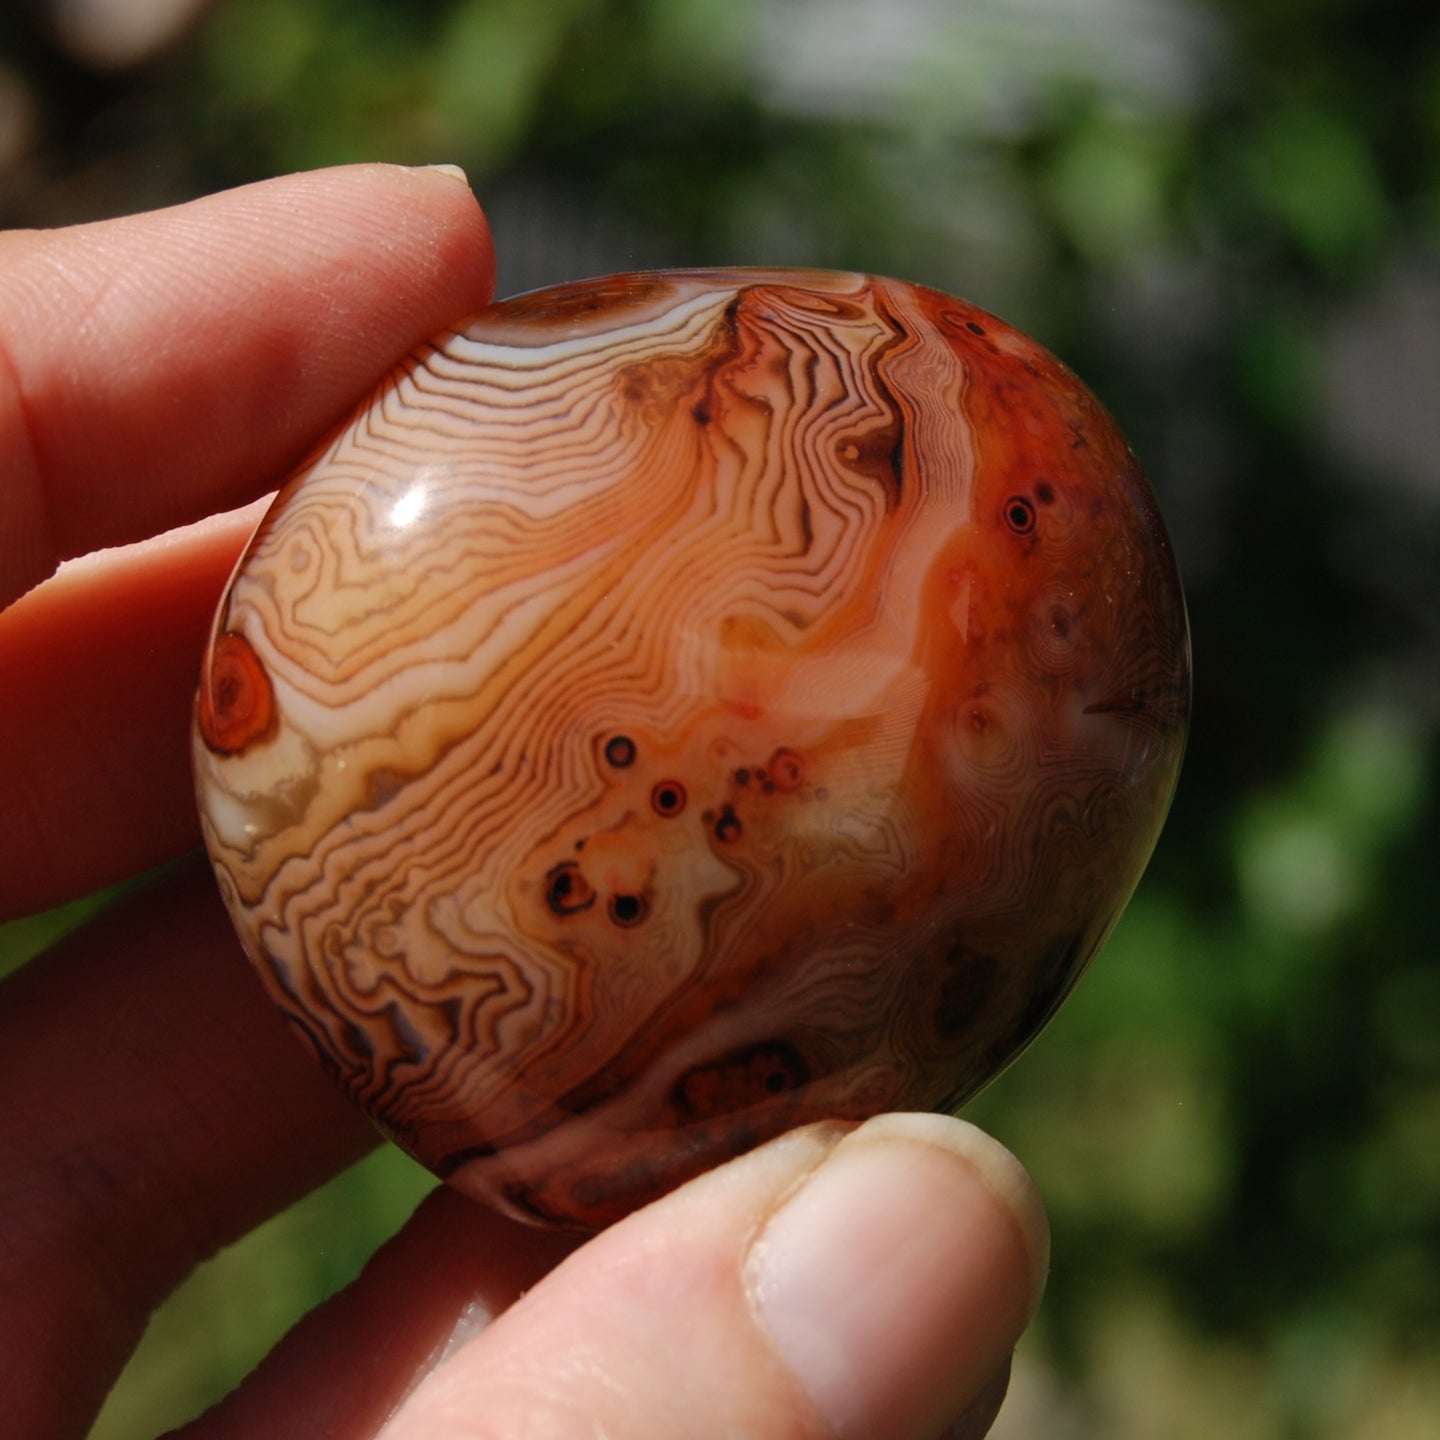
(684, 706)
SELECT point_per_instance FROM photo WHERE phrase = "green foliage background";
(1226, 215)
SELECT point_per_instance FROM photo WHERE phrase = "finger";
(159, 367)
(166, 1110)
(100, 668)
(922, 1228)
(439, 1282)
(868, 1287)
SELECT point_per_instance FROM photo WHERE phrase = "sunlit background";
(1226, 215)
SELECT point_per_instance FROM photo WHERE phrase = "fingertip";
(898, 1276)
(159, 366)
(447, 188)
(1007, 1179)
(421, 229)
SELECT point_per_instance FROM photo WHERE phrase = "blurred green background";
(1226, 215)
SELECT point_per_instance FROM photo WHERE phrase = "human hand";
(163, 368)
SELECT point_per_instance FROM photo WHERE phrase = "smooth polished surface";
(683, 706)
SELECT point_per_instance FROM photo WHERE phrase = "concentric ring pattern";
(682, 706)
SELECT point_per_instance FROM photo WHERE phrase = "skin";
(161, 369)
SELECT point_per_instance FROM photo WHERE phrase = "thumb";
(868, 1285)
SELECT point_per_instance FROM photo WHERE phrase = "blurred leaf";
(258, 52)
(1278, 364)
(1305, 854)
(1314, 171)
(1108, 183)
(490, 65)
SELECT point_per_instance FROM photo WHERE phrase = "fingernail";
(897, 1277)
(454, 171)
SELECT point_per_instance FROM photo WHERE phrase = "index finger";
(159, 367)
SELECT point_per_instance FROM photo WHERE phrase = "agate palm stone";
(683, 706)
